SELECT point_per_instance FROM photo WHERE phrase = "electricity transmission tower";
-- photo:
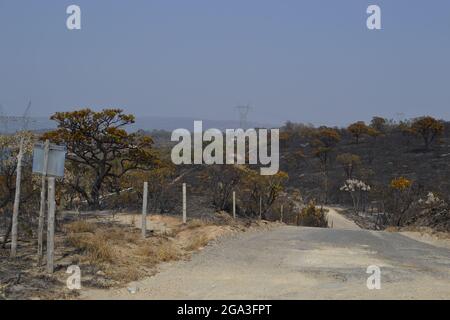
(243, 114)
(26, 117)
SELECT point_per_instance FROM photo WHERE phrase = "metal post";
(281, 213)
(42, 206)
(15, 217)
(144, 210)
(234, 205)
(51, 224)
(184, 203)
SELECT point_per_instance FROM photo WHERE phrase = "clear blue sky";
(308, 61)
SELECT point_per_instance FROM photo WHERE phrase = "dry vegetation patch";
(196, 242)
(424, 234)
(118, 254)
(111, 252)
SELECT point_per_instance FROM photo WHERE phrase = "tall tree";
(100, 149)
(324, 143)
(428, 128)
(357, 129)
(378, 123)
(349, 162)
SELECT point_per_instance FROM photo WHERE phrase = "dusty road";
(338, 221)
(300, 263)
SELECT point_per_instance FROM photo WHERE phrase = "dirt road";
(300, 263)
(338, 221)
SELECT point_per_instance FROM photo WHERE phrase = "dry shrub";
(148, 252)
(392, 229)
(114, 234)
(196, 242)
(223, 218)
(123, 274)
(133, 236)
(81, 226)
(95, 246)
(119, 235)
(167, 251)
(311, 216)
(195, 223)
(163, 251)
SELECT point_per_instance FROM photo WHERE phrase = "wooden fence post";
(51, 224)
(42, 206)
(234, 205)
(15, 217)
(260, 208)
(144, 210)
(184, 203)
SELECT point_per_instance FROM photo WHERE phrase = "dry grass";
(95, 246)
(119, 251)
(147, 252)
(123, 273)
(97, 241)
(196, 242)
(108, 248)
(392, 229)
(80, 226)
(167, 252)
(421, 230)
(195, 223)
(120, 235)
(163, 251)
(111, 253)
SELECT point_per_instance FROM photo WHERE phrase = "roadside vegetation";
(384, 171)
(312, 216)
(389, 174)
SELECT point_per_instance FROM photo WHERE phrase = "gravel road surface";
(300, 263)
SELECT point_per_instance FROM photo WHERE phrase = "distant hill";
(142, 123)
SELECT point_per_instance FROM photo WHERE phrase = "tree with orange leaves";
(401, 197)
(357, 129)
(326, 140)
(428, 128)
(99, 147)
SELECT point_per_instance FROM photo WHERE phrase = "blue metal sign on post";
(56, 159)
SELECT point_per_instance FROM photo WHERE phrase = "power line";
(19, 123)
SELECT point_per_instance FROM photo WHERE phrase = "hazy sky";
(309, 61)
